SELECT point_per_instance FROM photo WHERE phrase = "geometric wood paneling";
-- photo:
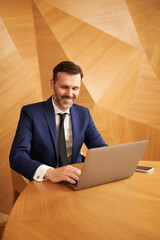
(120, 129)
(146, 101)
(19, 80)
(111, 17)
(146, 18)
(117, 44)
(120, 94)
(18, 19)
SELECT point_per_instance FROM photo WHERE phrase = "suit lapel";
(50, 117)
(74, 130)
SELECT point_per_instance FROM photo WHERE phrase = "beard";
(63, 102)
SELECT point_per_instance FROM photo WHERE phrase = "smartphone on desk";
(144, 169)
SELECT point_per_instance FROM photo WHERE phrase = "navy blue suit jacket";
(35, 142)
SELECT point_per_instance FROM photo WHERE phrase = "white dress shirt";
(41, 170)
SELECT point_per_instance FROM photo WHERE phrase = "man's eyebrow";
(63, 85)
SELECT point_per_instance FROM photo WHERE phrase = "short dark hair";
(67, 66)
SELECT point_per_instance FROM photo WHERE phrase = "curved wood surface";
(126, 209)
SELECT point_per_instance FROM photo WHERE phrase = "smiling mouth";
(67, 99)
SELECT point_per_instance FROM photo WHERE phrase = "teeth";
(67, 98)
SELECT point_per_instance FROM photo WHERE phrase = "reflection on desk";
(125, 209)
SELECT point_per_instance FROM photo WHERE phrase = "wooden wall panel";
(111, 17)
(146, 101)
(17, 16)
(117, 44)
(146, 18)
(19, 80)
(120, 129)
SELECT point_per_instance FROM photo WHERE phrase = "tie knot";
(62, 116)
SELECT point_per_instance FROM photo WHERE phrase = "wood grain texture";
(111, 17)
(117, 45)
(19, 81)
(126, 209)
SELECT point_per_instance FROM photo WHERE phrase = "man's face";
(66, 89)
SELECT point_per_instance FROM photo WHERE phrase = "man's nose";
(70, 92)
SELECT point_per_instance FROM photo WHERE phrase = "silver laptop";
(108, 164)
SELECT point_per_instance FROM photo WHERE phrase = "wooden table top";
(126, 209)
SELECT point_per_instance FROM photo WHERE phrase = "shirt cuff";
(40, 172)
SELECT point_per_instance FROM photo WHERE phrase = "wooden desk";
(126, 209)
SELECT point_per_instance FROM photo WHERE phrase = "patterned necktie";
(62, 142)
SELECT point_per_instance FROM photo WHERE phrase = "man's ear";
(52, 83)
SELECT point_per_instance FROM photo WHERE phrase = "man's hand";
(67, 173)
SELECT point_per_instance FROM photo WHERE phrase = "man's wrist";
(48, 173)
(40, 172)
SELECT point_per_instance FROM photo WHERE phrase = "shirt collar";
(57, 110)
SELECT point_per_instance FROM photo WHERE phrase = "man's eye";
(64, 87)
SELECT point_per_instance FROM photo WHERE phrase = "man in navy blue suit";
(34, 152)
